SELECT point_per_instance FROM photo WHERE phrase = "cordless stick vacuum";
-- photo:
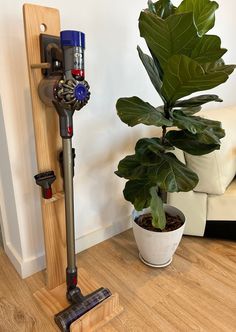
(69, 94)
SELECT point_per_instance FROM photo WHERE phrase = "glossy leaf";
(130, 168)
(197, 101)
(134, 110)
(151, 70)
(164, 8)
(170, 174)
(184, 76)
(203, 12)
(138, 193)
(147, 149)
(218, 66)
(151, 7)
(175, 35)
(152, 144)
(207, 49)
(194, 124)
(157, 209)
(189, 110)
(196, 144)
(157, 64)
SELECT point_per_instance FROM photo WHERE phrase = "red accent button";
(77, 72)
(74, 281)
(70, 130)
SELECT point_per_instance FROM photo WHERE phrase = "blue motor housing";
(72, 38)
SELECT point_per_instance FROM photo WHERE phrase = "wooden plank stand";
(52, 299)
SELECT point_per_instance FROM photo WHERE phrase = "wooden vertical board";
(48, 142)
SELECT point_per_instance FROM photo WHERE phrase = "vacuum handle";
(66, 124)
(65, 120)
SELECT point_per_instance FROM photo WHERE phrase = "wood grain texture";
(99, 316)
(19, 311)
(197, 292)
(48, 143)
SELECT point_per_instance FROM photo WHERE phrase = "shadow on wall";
(31, 192)
(10, 230)
(100, 190)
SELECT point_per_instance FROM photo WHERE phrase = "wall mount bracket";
(51, 53)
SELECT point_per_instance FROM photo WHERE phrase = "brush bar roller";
(66, 317)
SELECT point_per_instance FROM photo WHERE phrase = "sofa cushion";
(222, 207)
(217, 169)
(194, 207)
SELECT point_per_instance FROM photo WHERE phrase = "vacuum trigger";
(60, 159)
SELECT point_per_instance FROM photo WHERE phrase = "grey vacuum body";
(68, 91)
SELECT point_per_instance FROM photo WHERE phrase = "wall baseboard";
(26, 268)
(88, 240)
(14, 257)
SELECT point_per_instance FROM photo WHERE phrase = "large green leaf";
(138, 193)
(157, 209)
(194, 124)
(189, 111)
(197, 101)
(217, 66)
(130, 168)
(207, 49)
(151, 144)
(151, 7)
(164, 8)
(147, 149)
(151, 70)
(170, 174)
(203, 12)
(134, 110)
(175, 35)
(196, 144)
(157, 64)
(184, 76)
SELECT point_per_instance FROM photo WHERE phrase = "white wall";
(113, 70)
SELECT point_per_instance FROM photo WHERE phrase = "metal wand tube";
(69, 202)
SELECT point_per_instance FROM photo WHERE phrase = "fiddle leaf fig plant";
(183, 60)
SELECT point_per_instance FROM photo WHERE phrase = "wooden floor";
(197, 292)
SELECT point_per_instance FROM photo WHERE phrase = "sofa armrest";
(194, 207)
(217, 169)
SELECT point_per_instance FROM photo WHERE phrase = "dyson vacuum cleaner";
(68, 91)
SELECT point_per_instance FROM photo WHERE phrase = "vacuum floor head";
(67, 316)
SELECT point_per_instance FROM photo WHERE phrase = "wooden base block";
(53, 301)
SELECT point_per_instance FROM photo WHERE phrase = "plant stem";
(163, 134)
(167, 109)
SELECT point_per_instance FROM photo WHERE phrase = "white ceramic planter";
(157, 248)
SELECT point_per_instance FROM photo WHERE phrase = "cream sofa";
(210, 209)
